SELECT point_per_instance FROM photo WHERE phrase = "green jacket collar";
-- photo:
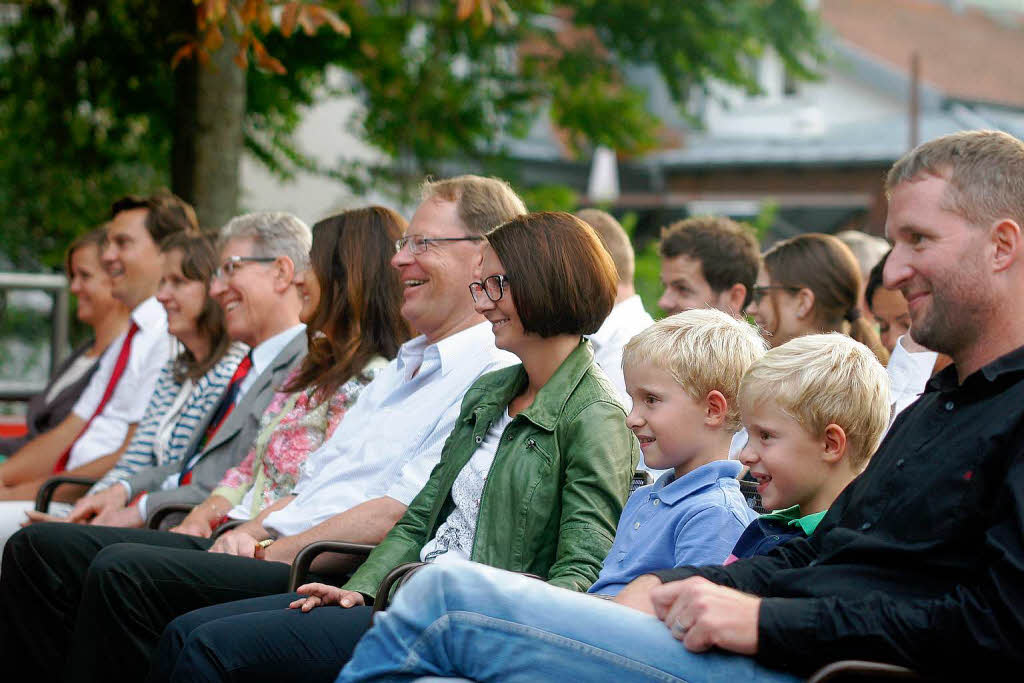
(499, 388)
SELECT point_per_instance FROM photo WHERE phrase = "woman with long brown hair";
(811, 284)
(351, 300)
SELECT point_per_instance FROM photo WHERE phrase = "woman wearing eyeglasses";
(532, 478)
(810, 284)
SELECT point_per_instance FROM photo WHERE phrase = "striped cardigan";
(204, 398)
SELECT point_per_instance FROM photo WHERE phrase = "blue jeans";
(463, 619)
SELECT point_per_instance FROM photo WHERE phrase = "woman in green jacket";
(532, 478)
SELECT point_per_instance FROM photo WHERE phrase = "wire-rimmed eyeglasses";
(232, 263)
(418, 243)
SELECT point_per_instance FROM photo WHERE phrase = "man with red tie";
(90, 440)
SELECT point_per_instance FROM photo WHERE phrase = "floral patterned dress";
(292, 427)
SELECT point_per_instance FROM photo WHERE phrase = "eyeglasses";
(418, 243)
(493, 287)
(757, 292)
(227, 269)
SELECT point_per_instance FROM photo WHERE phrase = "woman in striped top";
(191, 384)
(351, 307)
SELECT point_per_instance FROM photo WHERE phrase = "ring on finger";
(677, 629)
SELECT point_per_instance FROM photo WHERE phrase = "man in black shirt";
(919, 562)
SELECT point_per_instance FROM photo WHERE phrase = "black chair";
(302, 562)
(640, 478)
(44, 496)
(749, 489)
(854, 670)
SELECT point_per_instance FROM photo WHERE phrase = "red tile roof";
(967, 55)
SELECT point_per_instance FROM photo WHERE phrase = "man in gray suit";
(260, 255)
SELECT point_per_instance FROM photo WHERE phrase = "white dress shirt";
(908, 373)
(627, 319)
(392, 437)
(151, 348)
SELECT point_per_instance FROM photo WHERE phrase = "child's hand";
(637, 594)
(703, 615)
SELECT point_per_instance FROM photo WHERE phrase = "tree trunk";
(218, 140)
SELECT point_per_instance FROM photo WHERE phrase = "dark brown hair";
(198, 262)
(827, 267)
(166, 213)
(726, 250)
(560, 275)
(360, 298)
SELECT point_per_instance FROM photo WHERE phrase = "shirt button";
(900, 462)
(865, 526)
(636, 525)
(657, 501)
(949, 405)
(479, 439)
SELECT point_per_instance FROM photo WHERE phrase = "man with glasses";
(353, 488)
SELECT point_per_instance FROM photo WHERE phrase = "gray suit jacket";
(229, 445)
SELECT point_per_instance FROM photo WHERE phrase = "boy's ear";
(716, 408)
(835, 443)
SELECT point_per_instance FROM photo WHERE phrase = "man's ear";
(804, 302)
(835, 444)
(284, 273)
(716, 408)
(1006, 240)
(734, 298)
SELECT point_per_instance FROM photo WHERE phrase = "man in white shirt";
(91, 439)
(353, 488)
(628, 316)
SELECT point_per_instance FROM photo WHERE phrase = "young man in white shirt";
(91, 439)
(353, 488)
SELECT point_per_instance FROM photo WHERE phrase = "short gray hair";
(274, 233)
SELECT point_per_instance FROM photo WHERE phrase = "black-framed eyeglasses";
(233, 263)
(757, 292)
(418, 243)
(493, 287)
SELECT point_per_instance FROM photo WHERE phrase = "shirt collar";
(149, 313)
(624, 310)
(264, 353)
(476, 340)
(671, 490)
(948, 379)
(791, 517)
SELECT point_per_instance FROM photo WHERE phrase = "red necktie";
(227, 404)
(115, 377)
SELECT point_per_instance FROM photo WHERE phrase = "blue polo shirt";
(694, 520)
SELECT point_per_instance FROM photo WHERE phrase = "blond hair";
(704, 350)
(823, 379)
(482, 203)
(984, 170)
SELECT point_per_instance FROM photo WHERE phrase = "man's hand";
(703, 615)
(637, 594)
(124, 517)
(238, 542)
(34, 517)
(318, 594)
(106, 501)
(192, 529)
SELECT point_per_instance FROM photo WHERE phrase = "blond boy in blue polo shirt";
(683, 374)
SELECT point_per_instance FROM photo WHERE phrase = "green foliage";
(89, 105)
(550, 198)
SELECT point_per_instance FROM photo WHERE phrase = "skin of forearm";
(367, 522)
(38, 457)
(209, 511)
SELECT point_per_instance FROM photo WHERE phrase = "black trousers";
(259, 640)
(85, 603)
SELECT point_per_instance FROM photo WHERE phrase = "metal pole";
(915, 99)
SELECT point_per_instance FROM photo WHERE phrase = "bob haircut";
(703, 350)
(358, 315)
(823, 379)
(198, 262)
(560, 275)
